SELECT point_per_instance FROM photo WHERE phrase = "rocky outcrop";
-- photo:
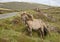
(54, 29)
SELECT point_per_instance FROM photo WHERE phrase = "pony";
(34, 24)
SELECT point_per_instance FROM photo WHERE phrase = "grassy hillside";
(55, 12)
(13, 32)
(22, 5)
(4, 10)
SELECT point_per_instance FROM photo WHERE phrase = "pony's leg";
(41, 33)
(42, 30)
(30, 32)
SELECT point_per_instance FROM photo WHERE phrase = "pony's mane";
(30, 16)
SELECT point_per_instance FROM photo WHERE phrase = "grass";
(11, 30)
(4, 11)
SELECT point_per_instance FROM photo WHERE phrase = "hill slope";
(22, 5)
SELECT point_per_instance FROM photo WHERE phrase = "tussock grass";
(11, 30)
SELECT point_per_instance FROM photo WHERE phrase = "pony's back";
(35, 24)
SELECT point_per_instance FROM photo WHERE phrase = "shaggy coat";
(34, 24)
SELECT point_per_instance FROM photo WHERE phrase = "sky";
(47, 2)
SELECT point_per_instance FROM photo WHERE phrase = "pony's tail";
(45, 31)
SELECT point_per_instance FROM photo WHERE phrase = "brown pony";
(34, 24)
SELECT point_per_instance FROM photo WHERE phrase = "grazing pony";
(34, 24)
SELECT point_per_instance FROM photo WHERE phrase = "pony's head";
(26, 17)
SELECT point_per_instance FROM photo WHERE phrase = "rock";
(54, 29)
